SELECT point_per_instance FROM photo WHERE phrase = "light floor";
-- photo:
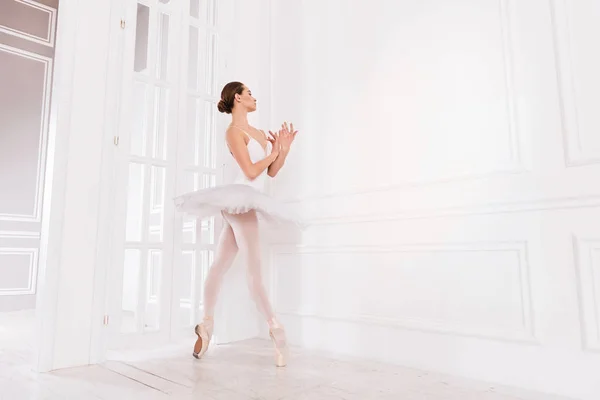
(230, 372)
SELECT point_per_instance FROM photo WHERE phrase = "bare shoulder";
(232, 132)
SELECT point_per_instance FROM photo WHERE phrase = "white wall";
(447, 159)
(27, 31)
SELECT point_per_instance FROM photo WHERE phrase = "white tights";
(239, 233)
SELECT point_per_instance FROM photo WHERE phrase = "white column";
(69, 303)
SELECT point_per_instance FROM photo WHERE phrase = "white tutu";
(239, 197)
(236, 199)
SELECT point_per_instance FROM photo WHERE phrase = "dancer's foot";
(204, 333)
(277, 334)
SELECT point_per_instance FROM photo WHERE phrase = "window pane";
(154, 278)
(195, 8)
(163, 47)
(131, 280)
(188, 276)
(196, 51)
(157, 201)
(161, 120)
(194, 132)
(211, 60)
(211, 12)
(190, 182)
(193, 51)
(209, 180)
(135, 202)
(207, 231)
(189, 222)
(140, 63)
(139, 119)
(189, 230)
(204, 10)
(209, 133)
(206, 260)
(153, 285)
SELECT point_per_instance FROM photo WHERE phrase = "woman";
(239, 204)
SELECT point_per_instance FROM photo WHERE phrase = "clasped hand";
(283, 139)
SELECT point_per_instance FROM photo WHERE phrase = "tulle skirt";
(236, 199)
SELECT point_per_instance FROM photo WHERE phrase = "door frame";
(55, 182)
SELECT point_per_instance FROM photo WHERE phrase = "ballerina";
(258, 157)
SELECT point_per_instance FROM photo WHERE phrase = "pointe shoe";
(204, 335)
(277, 334)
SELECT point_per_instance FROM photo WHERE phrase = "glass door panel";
(168, 146)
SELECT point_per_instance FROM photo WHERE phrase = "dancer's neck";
(240, 118)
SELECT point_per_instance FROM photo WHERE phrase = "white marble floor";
(230, 372)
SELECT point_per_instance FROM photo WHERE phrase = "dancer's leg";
(225, 254)
(245, 229)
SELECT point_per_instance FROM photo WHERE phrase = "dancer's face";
(246, 100)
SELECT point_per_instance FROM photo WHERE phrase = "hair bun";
(223, 107)
(227, 102)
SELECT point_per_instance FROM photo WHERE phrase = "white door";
(27, 32)
(167, 146)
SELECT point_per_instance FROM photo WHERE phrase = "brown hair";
(228, 96)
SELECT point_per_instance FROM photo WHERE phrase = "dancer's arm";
(239, 150)
(277, 164)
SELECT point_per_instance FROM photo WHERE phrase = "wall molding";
(509, 67)
(490, 208)
(19, 235)
(33, 267)
(406, 185)
(35, 216)
(48, 40)
(526, 335)
(574, 153)
(514, 165)
(587, 268)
